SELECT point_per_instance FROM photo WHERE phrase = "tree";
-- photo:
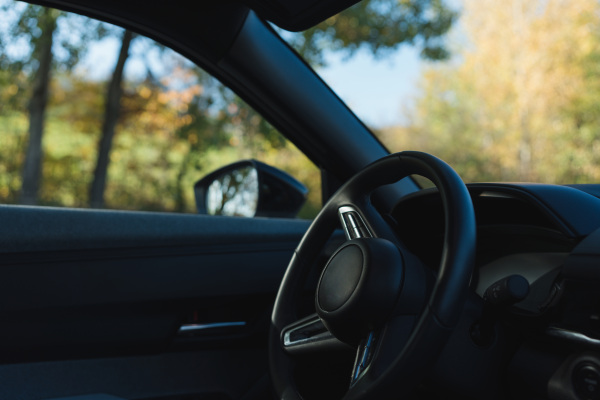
(393, 22)
(380, 26)
(111, 115)
(46, 22)
(500, 110)
(44, 43)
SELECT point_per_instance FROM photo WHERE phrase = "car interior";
(476, 291)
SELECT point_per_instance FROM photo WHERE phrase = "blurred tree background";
(140, 142)
(515, 100)
(519, 100)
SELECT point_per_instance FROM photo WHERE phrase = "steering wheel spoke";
(353, 223)
(364, 355)
(309, 335)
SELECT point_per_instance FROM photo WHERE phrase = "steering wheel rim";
(441, 305)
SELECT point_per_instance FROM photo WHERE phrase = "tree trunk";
(32, 169)
(111, 116)
(180, 204)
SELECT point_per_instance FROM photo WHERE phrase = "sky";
(375, 88)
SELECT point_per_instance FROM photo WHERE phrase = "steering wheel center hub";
(359, 287)
(340, 278)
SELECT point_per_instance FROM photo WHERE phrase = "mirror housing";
(250, 188)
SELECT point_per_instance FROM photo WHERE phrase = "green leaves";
(520, 102)
(178, 123)
(380, 26)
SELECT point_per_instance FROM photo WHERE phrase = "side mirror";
(249, 188)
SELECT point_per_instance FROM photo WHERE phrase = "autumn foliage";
(140, 142)
(520, 100)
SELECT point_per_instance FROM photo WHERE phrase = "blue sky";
(375, 88)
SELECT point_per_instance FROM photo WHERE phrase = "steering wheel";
(373, 294)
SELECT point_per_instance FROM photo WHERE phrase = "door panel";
(205, 375)
(84, 291)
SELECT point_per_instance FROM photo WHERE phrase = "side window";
(92, 115)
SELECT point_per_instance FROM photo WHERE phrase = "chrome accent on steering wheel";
(363, 356)
(318, 332)
(353, 224)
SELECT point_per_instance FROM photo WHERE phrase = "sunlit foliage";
(174, 127)
(519, 102)
(172, 130)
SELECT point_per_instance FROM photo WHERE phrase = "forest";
(508, 92)
(140, 142)
(520, 99)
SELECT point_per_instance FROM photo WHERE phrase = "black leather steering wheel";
(373, 293)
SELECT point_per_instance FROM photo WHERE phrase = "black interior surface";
(510, 219)
(539, 344)
(218, 374)
(96, 305)
(114, 288)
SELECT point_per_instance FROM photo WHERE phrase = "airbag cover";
(340, 278)
(359, 287)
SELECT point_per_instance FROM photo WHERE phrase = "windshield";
(502, 91)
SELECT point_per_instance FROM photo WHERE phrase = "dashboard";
(546, 345)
